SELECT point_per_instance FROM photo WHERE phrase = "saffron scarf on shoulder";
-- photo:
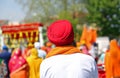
(63, 50)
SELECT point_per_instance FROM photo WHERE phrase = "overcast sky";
(11, 10)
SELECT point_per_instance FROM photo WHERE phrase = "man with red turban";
(65, 60)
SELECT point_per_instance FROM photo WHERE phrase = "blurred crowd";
(25, 63)
(22, 63)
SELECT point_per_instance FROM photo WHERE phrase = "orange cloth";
(20, 74)
(63, 50)
(113, 60)
(94, 35)
(48, 44)
(44, 48)
(84, 34)
(89, 36)
(108, 65)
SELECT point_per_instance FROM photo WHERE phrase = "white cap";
(37, 45)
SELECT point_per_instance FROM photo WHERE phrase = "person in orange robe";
(112, 61)
(89, 35)
(107, 63)
(115, 59)
(84, 33)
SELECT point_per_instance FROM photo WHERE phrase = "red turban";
(60, 32)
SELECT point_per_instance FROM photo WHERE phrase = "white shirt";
(76, 65)
(93, 51)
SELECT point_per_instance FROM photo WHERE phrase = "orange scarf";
(63, 50)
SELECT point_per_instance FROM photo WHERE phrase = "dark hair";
(74, 43)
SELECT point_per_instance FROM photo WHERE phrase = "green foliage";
(47, 11)
(68, 16)
(106, 13)
(44, 35)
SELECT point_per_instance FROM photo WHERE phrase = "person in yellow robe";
(34, 64)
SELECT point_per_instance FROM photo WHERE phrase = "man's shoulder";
(70, 60)
(71, 57)
(81, 55)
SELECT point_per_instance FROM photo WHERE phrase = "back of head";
(5, 48)
(60, 33)
(37, 45)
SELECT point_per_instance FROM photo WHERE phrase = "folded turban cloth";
(60, 33)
